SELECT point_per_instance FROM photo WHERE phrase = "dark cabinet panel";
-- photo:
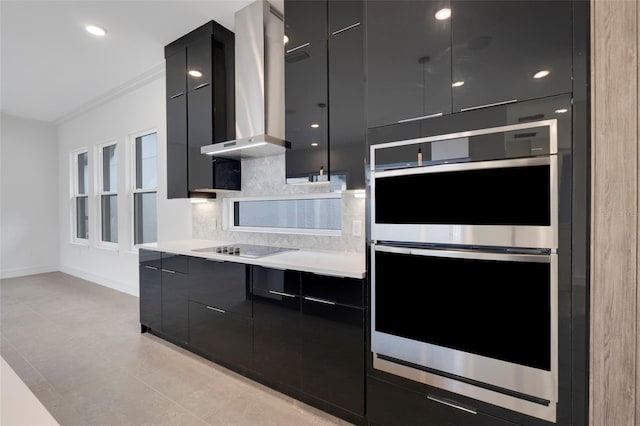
(174, 304)
(175, 262)
(200, 130)
(175, 74)
(390, 405)
(408, 60)
(223, 285)
(499, 46)
(304, 20)
(276, 326)
(225, 336)
(344, 291)
(333, 356)
(346, 93)
(177, 145)
(199, 64)
(150, 289)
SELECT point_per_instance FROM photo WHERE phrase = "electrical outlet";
(356, 228)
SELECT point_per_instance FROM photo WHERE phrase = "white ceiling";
(51, 68)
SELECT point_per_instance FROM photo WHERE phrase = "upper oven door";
(450, 196)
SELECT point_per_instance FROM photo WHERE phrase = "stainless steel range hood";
(259, 56)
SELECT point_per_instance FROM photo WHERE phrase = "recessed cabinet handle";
(150, 267)
(200, 86)
(302, 46)
(177, 95)
(279, 293)
(168, 270)
(422, 117)
(451, 403)
(216, 309)
(313, 299)
(356, 25)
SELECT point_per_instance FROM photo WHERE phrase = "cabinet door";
(150, 289)
(276, 326)
(333, 354)
(174, 304)
(223, 285)
(394, 406)
(224, 336)
(306, 90)
(176, 125)
(498, 47)
(199, 63)
(200, 130)
(346, 93)
(408, 60)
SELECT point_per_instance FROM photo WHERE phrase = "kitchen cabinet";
(333, 349)
(150, 289)
(390, 405)
(200, 81)
(175, 281)
(408, 61)
(277, 335)
(324, 92)
(306, 90)
(498, 47)
(346, 93)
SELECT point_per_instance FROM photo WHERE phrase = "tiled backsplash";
(266, 177)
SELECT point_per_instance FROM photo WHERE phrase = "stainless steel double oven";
(464, 240)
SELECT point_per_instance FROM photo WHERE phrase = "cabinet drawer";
(175, 262)
(391, 405)
(223, 285)
(268, 282)
(149, 258)
(343, 291)
(224, 336)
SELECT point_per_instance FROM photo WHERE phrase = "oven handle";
(468, 254)
(474, 165)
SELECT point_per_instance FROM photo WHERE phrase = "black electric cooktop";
(245, 250)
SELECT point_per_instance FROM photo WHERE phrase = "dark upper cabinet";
(408, 61)
(346, 93)
(150, 289)
(499, 46)
(306, 90)
(200, 68)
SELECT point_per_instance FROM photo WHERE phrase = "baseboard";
(102, 280)
(21, 272)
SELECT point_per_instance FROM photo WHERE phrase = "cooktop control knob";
(236, 250)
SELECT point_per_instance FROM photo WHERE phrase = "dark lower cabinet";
(150, 289)
(333, 355)
(390, 405)
(225, 336)
(174, 305)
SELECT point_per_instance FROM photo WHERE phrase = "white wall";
(138, 110)
(28, 197)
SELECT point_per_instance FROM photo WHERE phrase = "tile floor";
(78, 347)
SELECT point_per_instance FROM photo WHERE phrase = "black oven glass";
(492, 196)
(497, 309)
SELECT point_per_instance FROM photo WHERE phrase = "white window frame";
(228, 215)
(74, 181)
(132, 185)
(100, 192)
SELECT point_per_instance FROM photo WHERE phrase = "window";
(80, 195)
(318, 214)
(145, 221)
(108, 161)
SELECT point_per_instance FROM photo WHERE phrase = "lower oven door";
(482, 324)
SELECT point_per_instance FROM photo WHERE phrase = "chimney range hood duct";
(259, 56)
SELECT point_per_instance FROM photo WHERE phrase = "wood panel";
(614, 298)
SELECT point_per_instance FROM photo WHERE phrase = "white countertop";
(324, 262)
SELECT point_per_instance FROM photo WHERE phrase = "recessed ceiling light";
(457, 84)
(541, 74)
(314, 143)
(96, 30)
(562, 110)
(315, 125)
(286, 39)
(443, 14)
(195, 73)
